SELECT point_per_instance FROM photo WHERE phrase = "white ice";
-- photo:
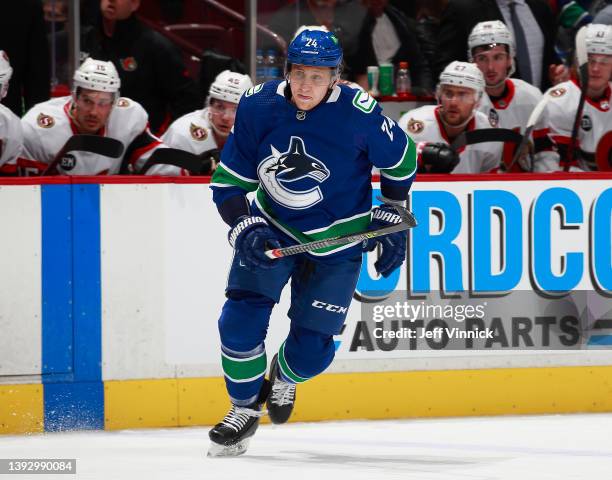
(559, 447)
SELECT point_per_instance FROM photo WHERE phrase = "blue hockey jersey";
(311, 170)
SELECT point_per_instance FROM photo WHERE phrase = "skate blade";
(234, 450)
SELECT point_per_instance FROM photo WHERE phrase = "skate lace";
(283, 393)
(238, 417)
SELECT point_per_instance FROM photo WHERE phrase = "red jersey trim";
(506, 100)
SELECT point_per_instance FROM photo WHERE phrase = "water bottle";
(260, 67)
(402, 80)
(273, 70)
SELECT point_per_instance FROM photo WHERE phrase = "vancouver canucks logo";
(293, 168)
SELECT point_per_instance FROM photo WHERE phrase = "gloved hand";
(438, 158)
(251, 236)
(393, 244)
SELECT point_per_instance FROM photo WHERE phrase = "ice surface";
(559, 447)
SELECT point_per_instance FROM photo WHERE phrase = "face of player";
(494, 63)
(600, 73)
(92, 109)
(118, 9)
(457, 104)
(309, 85)
(222, 116)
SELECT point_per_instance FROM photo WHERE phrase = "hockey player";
(94, 108)
(434, 127)
(204, 132)
(306, 145)
(507, 102)
(11, 135)
(593, 142)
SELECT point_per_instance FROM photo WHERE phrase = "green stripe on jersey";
(282, 363)
(223, 176)
(407, 166)
(244, 369)
(356, 224)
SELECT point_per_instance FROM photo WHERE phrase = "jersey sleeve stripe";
(226, 176)
(406, 167)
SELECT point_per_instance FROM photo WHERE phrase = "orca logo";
(68, 162)
(280, 169)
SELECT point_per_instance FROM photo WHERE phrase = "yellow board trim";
(342, 396)
(21, 408)
(140, 403)
(380, 395)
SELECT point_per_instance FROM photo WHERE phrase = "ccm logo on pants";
(329, 307)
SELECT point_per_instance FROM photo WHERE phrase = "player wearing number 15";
(306, 146)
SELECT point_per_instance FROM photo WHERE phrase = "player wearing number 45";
(593, 140)
(306, 146)
(434, 127)
(204, 132)
(94, 108)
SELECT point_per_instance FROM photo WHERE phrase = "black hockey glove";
(210, 160)
(438, 158)
(393, 245)
(249, 237)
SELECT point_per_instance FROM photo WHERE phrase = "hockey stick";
(485, 135)
(582, 58)
(531, 121)
(180, 158)
(408, 221)
(106, 146)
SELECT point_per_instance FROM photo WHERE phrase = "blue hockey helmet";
(315, 48)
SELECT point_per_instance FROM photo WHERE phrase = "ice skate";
(282, 396)
(231, 436)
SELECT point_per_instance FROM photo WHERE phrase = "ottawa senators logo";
(45, 121)
(129, 64)
(415, 126)
(558, 92)
(198, 133)
(493, 117)
(123, 102)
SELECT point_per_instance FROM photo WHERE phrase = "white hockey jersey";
(11, 140)
(513, 109)
(48, 126)
(553, 132)
(424, 126)
(191, 132)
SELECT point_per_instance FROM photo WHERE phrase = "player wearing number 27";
(306, 146)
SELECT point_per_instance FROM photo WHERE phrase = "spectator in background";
(151, 68)
(23, 37)
(204, 132)
(428, 13)
(571, 15)
(388, 36)
(434, 127)
(532, 25)
(604, 16)
(11, 134)
(345, 20)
